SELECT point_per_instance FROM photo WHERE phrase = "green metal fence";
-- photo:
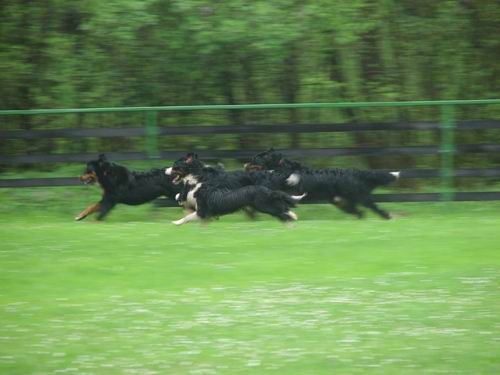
(447, 108)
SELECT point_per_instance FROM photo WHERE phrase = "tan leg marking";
(89, 210)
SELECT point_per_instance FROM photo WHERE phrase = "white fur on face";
(396, 174)
(168, 171)
(293, 179)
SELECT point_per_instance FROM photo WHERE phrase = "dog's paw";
(178, 222)
(292, 215)
(78, 218)
(337, 199)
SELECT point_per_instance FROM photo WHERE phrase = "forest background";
(65, 54)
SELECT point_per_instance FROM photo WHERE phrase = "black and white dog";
(211, 201)
(345, 188)
(212, 192)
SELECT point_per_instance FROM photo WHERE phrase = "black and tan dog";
(121, 185)
(345, 188)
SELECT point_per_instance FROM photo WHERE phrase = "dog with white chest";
(213, 192)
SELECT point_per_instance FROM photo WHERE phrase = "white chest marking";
(293, 179)
(190, 180)
(190, 199)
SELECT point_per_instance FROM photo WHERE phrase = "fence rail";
(151, 131)
(240, 129)
(243, 155)
(225, 107)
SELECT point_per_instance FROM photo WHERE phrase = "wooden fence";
(151, 131)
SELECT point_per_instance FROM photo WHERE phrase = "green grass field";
(331, 295)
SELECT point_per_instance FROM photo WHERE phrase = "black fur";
(212, 191)
(212, 201)
(190, 165)
(121, 185)
(346, 188)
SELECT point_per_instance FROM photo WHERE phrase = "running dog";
(189, 168)
(211, 201)
(345, 188)
(121, 185)
(212, 192)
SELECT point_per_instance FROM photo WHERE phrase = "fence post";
(447, 152)
(152, 132)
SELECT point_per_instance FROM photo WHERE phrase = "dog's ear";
(190, 157)
(273, 157)
(294, 164)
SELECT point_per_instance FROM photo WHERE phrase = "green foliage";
(139, 52)
(134, 53)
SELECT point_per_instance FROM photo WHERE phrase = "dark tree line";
(57, 54)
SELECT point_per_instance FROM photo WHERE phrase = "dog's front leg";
(89, 210)
(190, 217)
(106, 206)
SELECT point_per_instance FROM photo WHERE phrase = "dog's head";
(266, 160)
(184, 166)
(94, 169)
(288, 166)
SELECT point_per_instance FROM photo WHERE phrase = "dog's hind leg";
(250, 213)
(273, 206)
(186, 219)
(273, 209)
(287, 216)
(347, 206)
(277, 210)
(373, 206)
(89, 210)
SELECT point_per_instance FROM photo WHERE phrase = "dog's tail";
(378, 178)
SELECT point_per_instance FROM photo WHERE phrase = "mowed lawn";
(331, 295)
